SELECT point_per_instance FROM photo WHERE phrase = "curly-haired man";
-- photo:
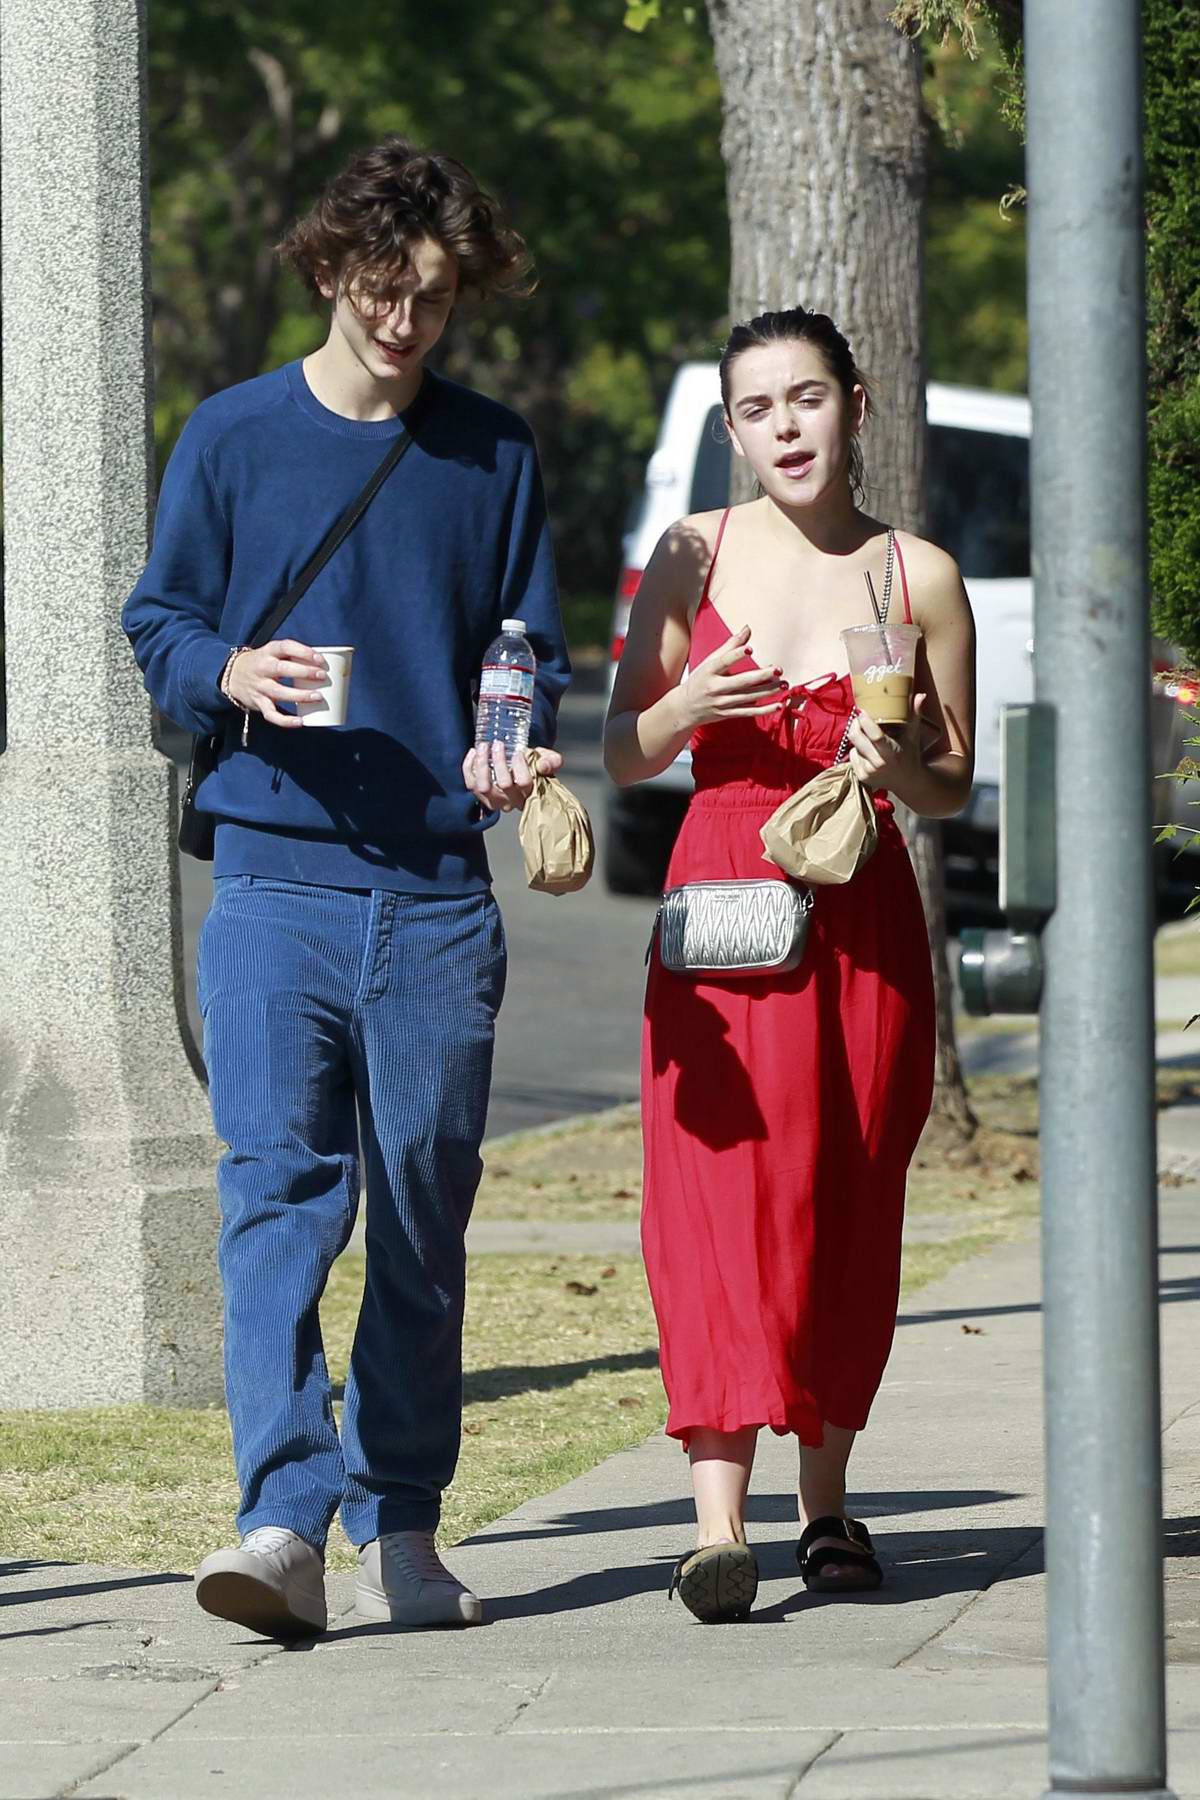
(353, 961)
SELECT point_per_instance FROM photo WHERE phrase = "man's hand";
(256, 679)
(500, 788)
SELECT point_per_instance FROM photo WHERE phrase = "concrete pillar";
(107, 1212)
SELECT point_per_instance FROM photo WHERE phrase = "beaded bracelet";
(223, 684)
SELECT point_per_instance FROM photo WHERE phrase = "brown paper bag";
(824, 833)
(556, 835)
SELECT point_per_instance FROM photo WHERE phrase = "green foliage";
(988, 28)
(606, 149)
(1171, 36)
(975, 250)
(1172, 104)
(1174, 484)
(975, 298)
(640, 13)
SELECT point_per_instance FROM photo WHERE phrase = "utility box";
(1001, 971)
(1028, 888)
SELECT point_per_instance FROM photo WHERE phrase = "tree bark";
(950, 1102)
(824, 147)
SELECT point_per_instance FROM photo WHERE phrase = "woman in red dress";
(780, 1113)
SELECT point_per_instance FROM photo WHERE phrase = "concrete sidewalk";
(586, 1683)
(1009, 1044)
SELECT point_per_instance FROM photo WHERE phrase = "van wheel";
(640, 833)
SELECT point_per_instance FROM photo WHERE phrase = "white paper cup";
(330, 709)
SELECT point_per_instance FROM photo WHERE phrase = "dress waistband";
(738, 797)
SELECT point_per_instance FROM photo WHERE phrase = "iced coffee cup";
(334, 691)
(882, 664)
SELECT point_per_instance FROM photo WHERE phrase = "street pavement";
(585, 1683)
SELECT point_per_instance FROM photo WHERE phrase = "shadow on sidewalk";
(516, 1378)
(761, 1509)
(1170, 1288)
(42, 1631)
(918, 1566)
(1181, 1537)
(527, 1378)
(67, 1591)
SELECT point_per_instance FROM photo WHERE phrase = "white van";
(978, 511)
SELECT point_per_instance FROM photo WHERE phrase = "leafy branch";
(1004, 20)
(640, 13)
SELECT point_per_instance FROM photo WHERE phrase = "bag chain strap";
(881, 616)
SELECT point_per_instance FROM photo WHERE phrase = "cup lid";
(898, 629)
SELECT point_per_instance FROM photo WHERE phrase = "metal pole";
(1087, 346)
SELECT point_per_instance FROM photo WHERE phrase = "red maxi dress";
(780, 1114)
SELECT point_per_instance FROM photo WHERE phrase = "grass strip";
(1177, 949)
(561, 1370)
(592, 1167)
(560, 1357)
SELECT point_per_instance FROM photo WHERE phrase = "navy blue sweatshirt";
(455, 541)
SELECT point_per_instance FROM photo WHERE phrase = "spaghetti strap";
(908, 618)
(716, 551)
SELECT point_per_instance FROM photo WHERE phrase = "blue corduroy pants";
(346, 1030)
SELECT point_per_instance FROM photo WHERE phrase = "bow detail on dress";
(796, 699)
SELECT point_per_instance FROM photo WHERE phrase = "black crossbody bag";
(197, 830)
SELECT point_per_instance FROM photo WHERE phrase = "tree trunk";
(824, 146)
(950, 1102)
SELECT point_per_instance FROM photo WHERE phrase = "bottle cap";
(513, 625)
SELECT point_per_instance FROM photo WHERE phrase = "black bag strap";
(340, 531)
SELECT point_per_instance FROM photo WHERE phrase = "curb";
(1175, 928)
(553, 1128)
(628, 1109)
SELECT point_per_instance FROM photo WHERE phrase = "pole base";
(1106, 1793)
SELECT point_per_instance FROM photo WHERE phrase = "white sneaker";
(274, 1583)
(403, 1580)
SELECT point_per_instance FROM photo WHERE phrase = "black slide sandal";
(863, 1575)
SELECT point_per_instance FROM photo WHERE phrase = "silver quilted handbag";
(733, 928)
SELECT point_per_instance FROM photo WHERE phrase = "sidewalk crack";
(127, 1750)
(811, 1764)
(1035, 1537)
(1170, 1424)
(530, 1699)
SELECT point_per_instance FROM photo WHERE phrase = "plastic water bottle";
(506, 690)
